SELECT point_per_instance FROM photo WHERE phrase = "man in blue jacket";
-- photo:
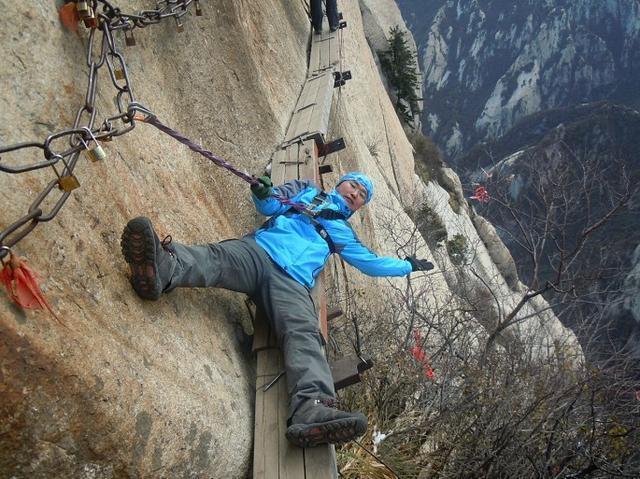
(277, 266)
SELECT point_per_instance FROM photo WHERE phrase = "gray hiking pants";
(243, 266)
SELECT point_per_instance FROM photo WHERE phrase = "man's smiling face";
(354, 194)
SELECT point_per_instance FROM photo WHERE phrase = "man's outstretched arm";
(362, 258)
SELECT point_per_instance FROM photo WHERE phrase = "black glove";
(419, 264)
(263, 189)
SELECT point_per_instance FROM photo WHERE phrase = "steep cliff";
(129, 388)
(379, 17)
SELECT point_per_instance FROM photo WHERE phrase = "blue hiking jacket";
(292, 241)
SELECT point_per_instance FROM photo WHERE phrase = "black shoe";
(150, 260)
(316, 423)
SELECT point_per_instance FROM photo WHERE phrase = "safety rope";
(151, 119)
(140, 113)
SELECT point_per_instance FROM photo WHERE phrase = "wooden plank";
(325, 52)
(325, 109)
(268, 367)
(308, 169)
(259, 435)
(304, 104)
(301, 125)
(277, 168)
(324, 56)
(261, 332)
(292, 168)
(300, 160)
(320, 462)
(314, 57)
(317, 93)
(291, 457)
(319, 119)
(266, 444)
(272, 402)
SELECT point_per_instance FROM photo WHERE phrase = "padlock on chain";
(119, 73)
(179, 25)
(86, 13)
(129, 39)
(82, 7)
(90, 20)
(66, 183)
(96, 153)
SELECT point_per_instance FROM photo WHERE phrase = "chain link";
(103, 19)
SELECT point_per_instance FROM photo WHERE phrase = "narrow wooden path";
(297, 158)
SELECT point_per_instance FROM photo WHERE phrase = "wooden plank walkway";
(325, 52)
(274, 457)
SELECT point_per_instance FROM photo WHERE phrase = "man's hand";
(419, 264)
(263, 189)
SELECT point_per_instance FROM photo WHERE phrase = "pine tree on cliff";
(399, 66)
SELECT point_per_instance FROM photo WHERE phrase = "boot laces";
(166, 245)
(329, 402)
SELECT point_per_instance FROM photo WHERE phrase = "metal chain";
(102, 19)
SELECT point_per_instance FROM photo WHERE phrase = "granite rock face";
(125, 387)
(379, 17)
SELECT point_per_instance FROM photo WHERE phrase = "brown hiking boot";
(150, 260)
(316, 422)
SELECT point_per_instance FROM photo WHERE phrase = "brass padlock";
(96, 153)
(82, 8)
(69, 182)
(90, 20)
(198, 8)
(129, 39)
(119, 74)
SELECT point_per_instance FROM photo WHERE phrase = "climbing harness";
(142, 114)
(313, 214)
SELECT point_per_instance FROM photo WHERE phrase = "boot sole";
(337, 431)
(139, 251)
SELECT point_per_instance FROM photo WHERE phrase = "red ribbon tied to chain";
(22, 284)
(69, 16)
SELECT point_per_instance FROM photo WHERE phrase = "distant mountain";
(489, 63)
